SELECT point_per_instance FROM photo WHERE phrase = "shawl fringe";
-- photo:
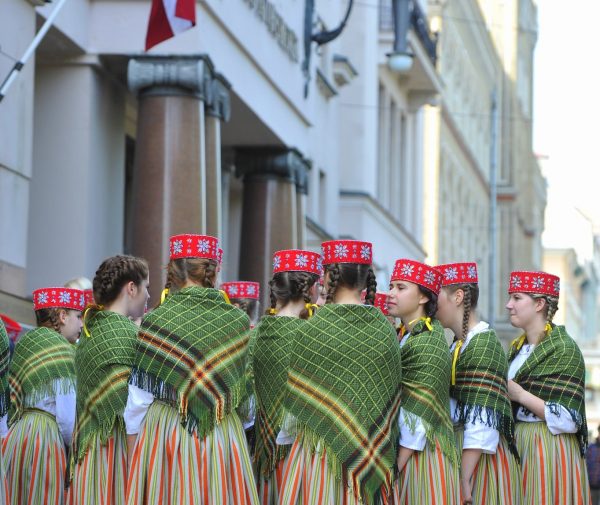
(203, 425)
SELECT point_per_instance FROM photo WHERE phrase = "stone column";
(301, 196)
(219, 109)
(270, 211)
(169, 191)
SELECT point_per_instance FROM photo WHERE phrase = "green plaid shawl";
(481, 372)
(426, 368)
(270, 359)
(103, 364)
(555, 372)
(191, 352)
(43, 359)
(4, 362)
(343, 393)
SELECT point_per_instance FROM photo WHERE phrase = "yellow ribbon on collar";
(455, 355)
(426, 320)
(163, 295)
(85, 314)
(312, 308)
(226, 296)
(517, 343)
(272, 311)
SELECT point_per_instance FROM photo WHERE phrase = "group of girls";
(346, 407)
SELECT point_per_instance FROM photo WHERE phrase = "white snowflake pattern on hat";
(407, 270)
(82, 300)
(203, 246)
(43, 297)
(471, 272)
(319, 263)
(177, 246)
(451, 273)
(233, 290)
(537, 282)
(516, 281)
(64, 297)
(429, 277)
(276, 262)
(301, 260)
(556, 285)
(251, 289)
(365, 252)
(341, 251)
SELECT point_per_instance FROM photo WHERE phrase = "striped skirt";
(553, 470)
(170, 466)
(101, 476)
(270, 488)
(3, 483)
(34, 460)
(497, 477)
(308, 480)
(428, 477)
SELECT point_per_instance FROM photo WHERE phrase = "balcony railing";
(418, 22)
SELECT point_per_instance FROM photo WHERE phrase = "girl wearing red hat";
(343, 391)
(188, 377)
(547, 386)
(292, 291)
(244, 295)
(427, 459)
(103, 362)
(479, 404)
(42, 382)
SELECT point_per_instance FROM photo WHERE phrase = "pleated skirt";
(170, 466)
(100, 478)
(428, 477)
(269, 488)
(552, 468)
(497, 477)
(309, 480)
(35, 461)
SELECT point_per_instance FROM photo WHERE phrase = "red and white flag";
(168, 18)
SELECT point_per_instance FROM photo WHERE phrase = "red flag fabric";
(168, 18)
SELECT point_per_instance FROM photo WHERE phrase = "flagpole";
(30, 50)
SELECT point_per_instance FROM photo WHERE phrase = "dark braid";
(305, 283)
(371, 287)
(114, 273)
(552, 303)
(466, 311)
(272, 298)
(334, 277)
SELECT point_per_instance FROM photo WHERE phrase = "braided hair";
(199, 270)
(550, 307)
(470, 300)
(286, 287)
(353, 276)
(114, 273)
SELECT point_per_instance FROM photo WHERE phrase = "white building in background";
(230, 128)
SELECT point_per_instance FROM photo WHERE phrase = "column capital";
(171, 76)
(220, 102)
(269, 162)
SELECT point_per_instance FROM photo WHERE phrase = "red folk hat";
(534, 282)
(347, 251)
(297, 260)
(417, 273)
(458, 273)
(89, 296)
(220, 256)
(59, 298)
(242, 289)
(194, 246)
(381, 300)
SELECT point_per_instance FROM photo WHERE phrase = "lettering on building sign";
(281, 32)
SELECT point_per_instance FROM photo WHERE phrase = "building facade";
(242, 127)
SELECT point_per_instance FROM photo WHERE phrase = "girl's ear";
(459, 296)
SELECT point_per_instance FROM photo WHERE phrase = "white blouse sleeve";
(4, 426)
(478, 435)
(411, 439)
(65, 414)
(561, 422)
(138, 402)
